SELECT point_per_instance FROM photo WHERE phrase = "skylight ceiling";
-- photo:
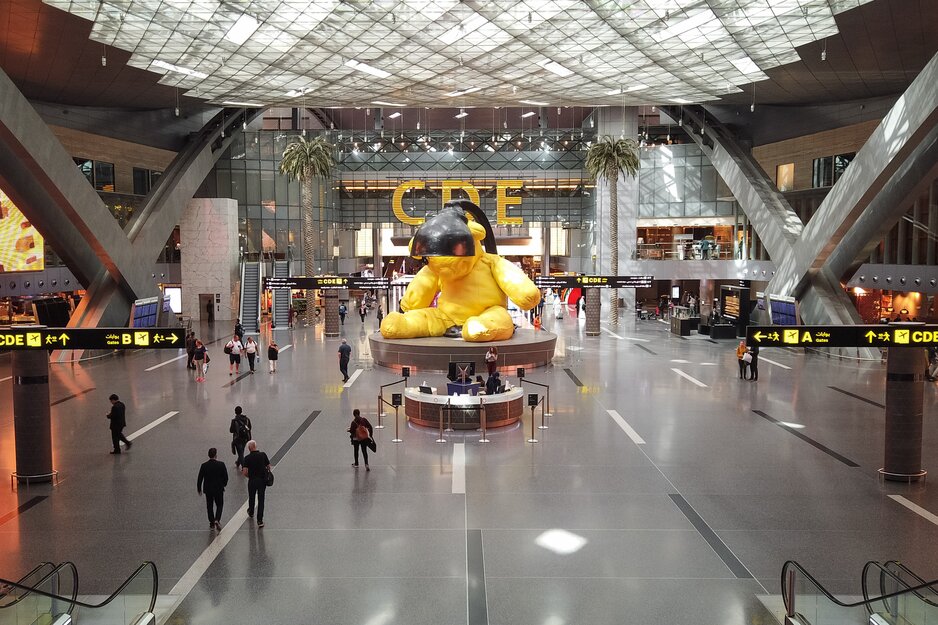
(451, 53)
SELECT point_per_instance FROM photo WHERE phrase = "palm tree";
(605, 160)
(305, 160)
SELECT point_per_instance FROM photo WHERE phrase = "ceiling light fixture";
(368, 69)
(680, 101)
(248, 105)
(394, 115)
(383, 103)
(242, 29)
(468, 25)
(103, 56)
(705, 16)
(295, 93)
(746, 66)
(456, 94)
(533, 103)
(178, 69)
(528, 114)
(824, 51)
(556, 68)
(462, 113)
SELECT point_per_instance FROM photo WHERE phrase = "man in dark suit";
(213, 477)
(118, 419)
(492, 384)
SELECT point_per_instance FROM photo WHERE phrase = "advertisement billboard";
(21, 246)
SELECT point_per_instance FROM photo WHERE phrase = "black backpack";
(242, 429)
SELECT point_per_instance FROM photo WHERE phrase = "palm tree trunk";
(614, 241)
(309, 260)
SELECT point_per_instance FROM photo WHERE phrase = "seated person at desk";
(492, 384)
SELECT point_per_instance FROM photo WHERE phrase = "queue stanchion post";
(543, 425)
(442, 410)
(548, 414)
(381, 412)
(484, 439)
(449, 419)
(396, 402)
(532, 403)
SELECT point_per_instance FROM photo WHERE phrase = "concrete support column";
(332, 312)
(545, 249)
(617, 122)
(706, 293)
(593, 311)
(905, 386)
(902, 243)
(918, 212)
(887, 248)
(32, 421)
(209, 230)
(932, 222)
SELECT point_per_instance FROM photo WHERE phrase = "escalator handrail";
(792, 564)
(33, 589)
(75, 602)
(884, 572)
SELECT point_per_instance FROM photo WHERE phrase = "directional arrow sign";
(27, 337)
(597, 282)
(892, 335)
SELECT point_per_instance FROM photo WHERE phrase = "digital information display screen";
(26, 337)
(21, 245)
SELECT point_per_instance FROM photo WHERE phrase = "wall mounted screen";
(21, 245)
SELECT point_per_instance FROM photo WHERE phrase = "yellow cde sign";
(501, 194)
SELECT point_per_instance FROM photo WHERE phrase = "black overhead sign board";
(589, 282)
(326, 282)
(843, 336)
(26, 337)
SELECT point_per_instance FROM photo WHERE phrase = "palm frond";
(306, 159)
(609, 157)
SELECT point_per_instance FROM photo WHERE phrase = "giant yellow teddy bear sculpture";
(473, 292)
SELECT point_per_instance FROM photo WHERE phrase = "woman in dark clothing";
(357, 433)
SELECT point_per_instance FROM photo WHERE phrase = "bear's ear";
(477, 229)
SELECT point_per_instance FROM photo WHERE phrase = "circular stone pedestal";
(527, 348)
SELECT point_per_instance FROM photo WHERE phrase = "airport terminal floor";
(664, 490)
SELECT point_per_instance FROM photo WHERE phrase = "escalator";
(48, 595)
(250, 308)
(892, 595)
(280, 308)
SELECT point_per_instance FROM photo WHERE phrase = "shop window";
(822, 172)
(785, 177)
(144, 180)
(104, 176)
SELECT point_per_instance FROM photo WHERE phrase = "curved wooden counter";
(500, 410)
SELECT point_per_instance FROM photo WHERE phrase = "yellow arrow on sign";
(870, 336)
(173, 338)
(64, 338)
(758, 337)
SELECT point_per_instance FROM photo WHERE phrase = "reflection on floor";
(650, 498)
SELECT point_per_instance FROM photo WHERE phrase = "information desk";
(500, 410)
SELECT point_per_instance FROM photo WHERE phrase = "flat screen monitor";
(461, 371)
(426, 389)
(675, 292)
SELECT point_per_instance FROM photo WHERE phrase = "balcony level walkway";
(658, 495)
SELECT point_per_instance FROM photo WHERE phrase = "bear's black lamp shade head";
(444, 234)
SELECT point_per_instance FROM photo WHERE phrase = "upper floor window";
(827, 170)
(98, 173)
(144, 180)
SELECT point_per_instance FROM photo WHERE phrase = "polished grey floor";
(584, 527)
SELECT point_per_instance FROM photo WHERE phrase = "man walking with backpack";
(240, 429)
(361, 432)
